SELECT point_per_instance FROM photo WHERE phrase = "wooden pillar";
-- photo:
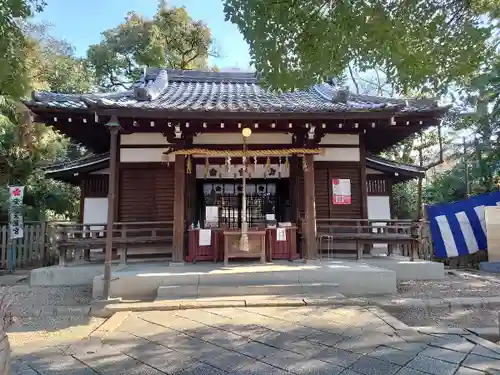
(294, 188)
(309, 228)
(191, 203)
(113, 128)
(362, 175)
(364, 192)
(117, 179)
(179, 207)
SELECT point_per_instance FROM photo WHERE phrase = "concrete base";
(493, 267)
(406, 269)
(350, 278)
(66, 275)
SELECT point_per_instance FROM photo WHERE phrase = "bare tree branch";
(351, 73)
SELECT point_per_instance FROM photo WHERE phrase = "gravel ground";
(455, 284)
(35, 324)
(443, 317)
(30, 302)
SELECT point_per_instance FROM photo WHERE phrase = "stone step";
(200, 280)
(168, 292)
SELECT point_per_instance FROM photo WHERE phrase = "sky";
(81, 23)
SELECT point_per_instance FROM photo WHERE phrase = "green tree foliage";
(417, 44)
(52, 64)
(13, 69)
(170, 39)
(26, 146)
(476, 155)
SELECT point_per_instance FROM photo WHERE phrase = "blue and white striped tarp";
(459, 228)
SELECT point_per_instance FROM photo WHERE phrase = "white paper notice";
(280, 234)
(205, 237)
(270, 217)
(212, 214)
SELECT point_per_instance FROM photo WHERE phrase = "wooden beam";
(309, 229)
(244, 116)
(179, 207)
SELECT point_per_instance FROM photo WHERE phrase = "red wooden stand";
(196, 252)
(282, 249)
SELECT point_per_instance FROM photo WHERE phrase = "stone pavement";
(268, 340)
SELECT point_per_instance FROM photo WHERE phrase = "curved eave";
(398, 171)
(73, 172)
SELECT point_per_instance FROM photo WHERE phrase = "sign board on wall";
(341, 191)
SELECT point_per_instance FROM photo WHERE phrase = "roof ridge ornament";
(150, 92)
(341, 95)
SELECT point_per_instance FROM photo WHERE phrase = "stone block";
(259, 368)
(482, 351)
(313, 366)
(338, 357)
(409, 270)
(481, 363)
(392, 355)
(468, 371)
(410, 371)
(493, 267)
(444, 354)
(485, 343)
(170, 292)
(372, 366)
(432, 365)
(65, 275)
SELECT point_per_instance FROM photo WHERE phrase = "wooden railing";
(126, 235)
(33, 250)
(406, 234)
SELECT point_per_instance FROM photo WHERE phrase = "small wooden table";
(256, 245)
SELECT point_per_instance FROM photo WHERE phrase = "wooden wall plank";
(324, 173)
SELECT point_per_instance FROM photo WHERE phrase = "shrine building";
(189, 152)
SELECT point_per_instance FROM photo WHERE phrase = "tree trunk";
(5, 355)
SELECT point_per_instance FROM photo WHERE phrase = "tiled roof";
(197, 91)
(97, 162)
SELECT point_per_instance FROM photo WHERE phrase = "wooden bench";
(125, 236)
(364, 232)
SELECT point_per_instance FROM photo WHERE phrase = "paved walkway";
(271, 340)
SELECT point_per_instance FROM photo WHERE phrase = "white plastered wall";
(379, 208)
(95, 211)
(144, 154)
